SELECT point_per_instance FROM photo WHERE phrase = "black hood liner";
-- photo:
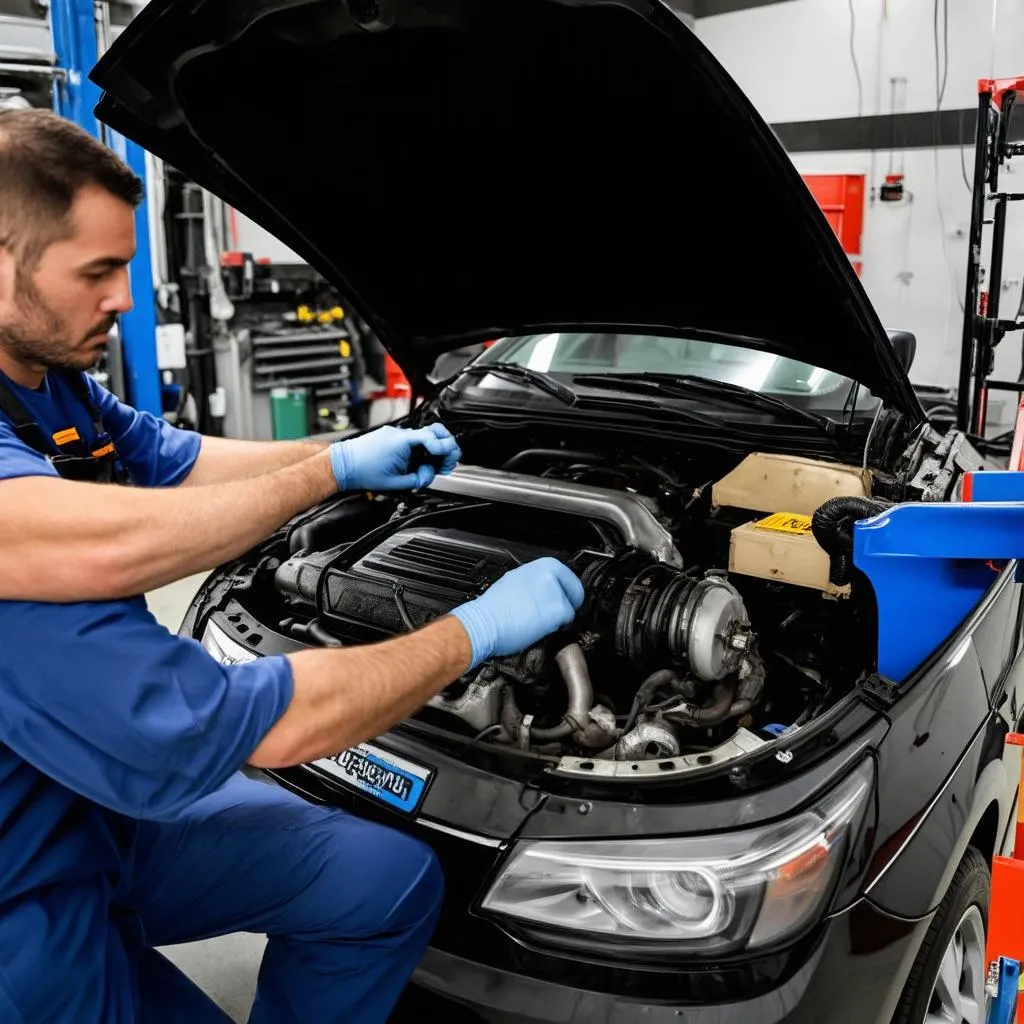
(493, 167)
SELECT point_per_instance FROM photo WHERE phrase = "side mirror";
(905, 345)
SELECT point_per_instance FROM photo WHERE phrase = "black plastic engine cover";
(422, 572)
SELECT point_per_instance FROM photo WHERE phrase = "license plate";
(379, 774)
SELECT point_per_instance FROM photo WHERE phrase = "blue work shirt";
(154, 453)
(105, 718)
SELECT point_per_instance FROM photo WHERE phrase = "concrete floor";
(224, 968)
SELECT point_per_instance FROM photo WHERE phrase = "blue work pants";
(348, 907)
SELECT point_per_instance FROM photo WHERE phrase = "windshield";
(633, 353)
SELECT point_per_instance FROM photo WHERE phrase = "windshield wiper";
(522, 375)
(684, 386)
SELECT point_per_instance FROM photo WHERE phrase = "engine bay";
(713, 622)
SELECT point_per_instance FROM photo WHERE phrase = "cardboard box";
(782, 548)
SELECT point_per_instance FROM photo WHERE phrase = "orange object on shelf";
(1005, 916)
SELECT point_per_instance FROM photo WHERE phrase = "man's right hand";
(521, 608)
(380, 460)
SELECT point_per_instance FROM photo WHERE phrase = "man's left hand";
(380, 460)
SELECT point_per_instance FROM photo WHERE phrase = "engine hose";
(311, 629)
(563, 730)
(572, 663)
(512, 723)
(739, 708)
(716, 712)
(832, 526)
(647, 690)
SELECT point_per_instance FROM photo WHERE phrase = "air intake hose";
(832, 526)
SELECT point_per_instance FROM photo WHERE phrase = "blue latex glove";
(521, 608)
(379, 459)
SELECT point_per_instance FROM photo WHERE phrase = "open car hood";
(466, 169)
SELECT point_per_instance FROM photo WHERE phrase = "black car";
(702, 802)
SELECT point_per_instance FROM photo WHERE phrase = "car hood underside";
(464, 169)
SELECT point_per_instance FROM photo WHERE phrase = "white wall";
(793, 61)
(260, 242)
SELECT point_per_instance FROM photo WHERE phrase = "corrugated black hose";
(832, 526)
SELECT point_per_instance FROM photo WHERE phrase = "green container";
(289, 410)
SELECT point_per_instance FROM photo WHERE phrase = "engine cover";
(417, 575)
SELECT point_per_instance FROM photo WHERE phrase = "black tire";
(971, 886)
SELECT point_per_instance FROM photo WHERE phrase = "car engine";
(671, 653)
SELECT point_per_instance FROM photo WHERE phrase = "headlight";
(744, 890)
(223, 648)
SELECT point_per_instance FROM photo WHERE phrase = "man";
(124, 823)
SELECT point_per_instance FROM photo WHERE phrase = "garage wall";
(250, 237)
(792, 58)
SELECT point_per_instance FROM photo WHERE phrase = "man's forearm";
(343, 697)
(223, 459)
(70, 541)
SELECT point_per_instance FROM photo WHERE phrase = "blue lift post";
(73, 24)
(75, 97)
(138, 327)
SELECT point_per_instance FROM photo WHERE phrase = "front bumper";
(854, 975)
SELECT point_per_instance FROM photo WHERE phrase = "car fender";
(941, 768)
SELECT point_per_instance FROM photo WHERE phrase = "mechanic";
(125, 823)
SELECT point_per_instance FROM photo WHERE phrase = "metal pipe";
(573, 665)
(967, 355)
(989, 328)
(33, 69)
(634, 519)
(647, 740)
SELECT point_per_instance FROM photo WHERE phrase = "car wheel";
(947, 982)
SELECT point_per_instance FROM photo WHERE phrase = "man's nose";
(119, 298)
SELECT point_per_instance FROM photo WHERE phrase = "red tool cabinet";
(841, 198)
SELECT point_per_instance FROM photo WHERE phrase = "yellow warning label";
(785, 522)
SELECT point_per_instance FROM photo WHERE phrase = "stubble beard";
(38, 338)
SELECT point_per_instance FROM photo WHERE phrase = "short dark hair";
(44, 161)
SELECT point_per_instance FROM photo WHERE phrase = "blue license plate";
(379, 774)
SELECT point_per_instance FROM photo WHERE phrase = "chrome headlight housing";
(222, 647)
(706, 895)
